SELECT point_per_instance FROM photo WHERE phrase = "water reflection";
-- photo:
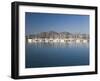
(56, 54)
(58, 44)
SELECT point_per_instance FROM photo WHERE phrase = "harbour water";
(56, 54)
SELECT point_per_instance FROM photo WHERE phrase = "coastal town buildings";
(53, 36)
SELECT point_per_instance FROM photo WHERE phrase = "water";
(56, 54)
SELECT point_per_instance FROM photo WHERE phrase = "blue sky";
(44, 22)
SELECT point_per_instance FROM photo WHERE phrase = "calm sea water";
(56, 54)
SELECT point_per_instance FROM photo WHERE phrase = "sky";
(44, 22)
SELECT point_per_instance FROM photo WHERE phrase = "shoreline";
(45, 40)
